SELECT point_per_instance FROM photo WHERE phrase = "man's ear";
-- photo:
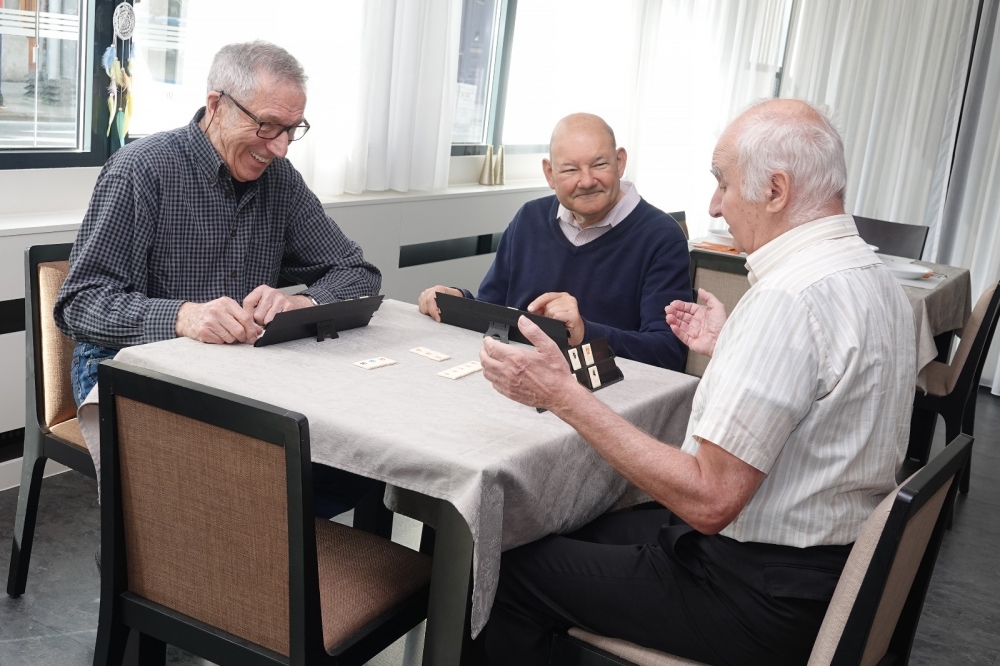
(621, 157)
(778, 194)
(547, 170)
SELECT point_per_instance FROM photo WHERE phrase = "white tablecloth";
(515, 475)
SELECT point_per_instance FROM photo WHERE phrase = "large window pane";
(40, 74)
(475, 68)
(568, 56)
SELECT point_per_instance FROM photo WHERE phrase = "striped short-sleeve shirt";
(811, 382)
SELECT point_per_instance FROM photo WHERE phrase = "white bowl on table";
(721, 236)
(908, 271)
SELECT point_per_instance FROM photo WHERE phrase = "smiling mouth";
(258, 158)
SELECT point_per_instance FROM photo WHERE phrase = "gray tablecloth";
(944, 308)
(515, 475)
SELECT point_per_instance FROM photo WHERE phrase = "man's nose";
(587, 179)
(278, 145)
(715, 207)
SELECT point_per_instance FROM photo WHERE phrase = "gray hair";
(806, 146)
(236, 68)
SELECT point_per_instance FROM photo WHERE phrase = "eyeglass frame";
(260, 123)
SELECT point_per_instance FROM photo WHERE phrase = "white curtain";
(970, 233)
(893, 71)
(700, 63)
(409, 72)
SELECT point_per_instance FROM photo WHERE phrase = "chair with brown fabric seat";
(50, 426)
(952, 387)
(209, 541)
(724, 276)
(681, 218)
(875, 608)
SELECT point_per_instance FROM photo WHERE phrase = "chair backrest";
(901, 240)
(50, 353)
(681, 218)
(209, 499)
(726, 278)
(877, 603)
(967, 365)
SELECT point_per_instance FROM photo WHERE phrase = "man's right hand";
(221, 321)
(428, 300)
(697, 326)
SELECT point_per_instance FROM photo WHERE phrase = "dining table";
(488, 474)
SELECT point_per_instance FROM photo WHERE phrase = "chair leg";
(144, 650)
(112, 638)
(32, 471)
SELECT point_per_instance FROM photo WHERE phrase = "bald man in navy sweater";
(595, 255)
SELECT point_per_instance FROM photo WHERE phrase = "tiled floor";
(55, 622)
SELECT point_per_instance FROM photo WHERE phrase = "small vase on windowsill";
(486, 174)
(498, 171)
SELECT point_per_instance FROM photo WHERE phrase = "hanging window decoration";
(118, 63)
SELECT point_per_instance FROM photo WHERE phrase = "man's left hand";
(265, 302)
(560, 305)
(538, 377)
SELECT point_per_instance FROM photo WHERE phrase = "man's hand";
(428, 300)
(560, 305)
(264, 302)
(538, 377)
(697, 326)
(221, 321)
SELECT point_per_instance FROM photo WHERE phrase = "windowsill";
(13, 225)
(453, 191)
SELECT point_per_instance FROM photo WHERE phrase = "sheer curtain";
(969, 234)
(409, 72)
(700, 63)
(893, 71)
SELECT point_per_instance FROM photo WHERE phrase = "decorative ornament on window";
(118, 62)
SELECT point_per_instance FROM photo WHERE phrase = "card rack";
(593, 363)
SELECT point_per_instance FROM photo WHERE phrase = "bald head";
(584, 167)
(799, 139)
(576, 124)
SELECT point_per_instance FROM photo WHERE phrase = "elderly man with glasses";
(188, 231)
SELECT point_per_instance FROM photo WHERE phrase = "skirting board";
(10, 472)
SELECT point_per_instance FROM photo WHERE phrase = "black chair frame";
(894, 238)
(714, 262)
(39, 444)
(957, 408)
(570, 651)
(157, 625)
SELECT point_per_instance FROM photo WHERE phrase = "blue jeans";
(334, 491)
(86, 358)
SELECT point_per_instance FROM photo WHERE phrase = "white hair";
(236, 68)
(809, 150)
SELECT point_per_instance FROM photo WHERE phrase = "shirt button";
(228, 194)
(233, 233)
(212, 180)
(232, 274)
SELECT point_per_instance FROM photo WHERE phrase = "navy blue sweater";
(621, 280)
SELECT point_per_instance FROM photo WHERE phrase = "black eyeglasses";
(271, 130)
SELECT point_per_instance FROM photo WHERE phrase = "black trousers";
(336, 491)
(647, 577)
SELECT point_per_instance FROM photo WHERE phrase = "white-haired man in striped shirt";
(797, 429)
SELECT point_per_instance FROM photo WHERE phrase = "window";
(45, 73)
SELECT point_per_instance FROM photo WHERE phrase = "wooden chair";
(952, 387)
(50, 426)
(726, 277)
(873, 615)
(901, 240)
(209, 541)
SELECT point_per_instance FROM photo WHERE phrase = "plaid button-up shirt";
(164, 227)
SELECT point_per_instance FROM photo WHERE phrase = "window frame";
(498, 94)
(97, 35)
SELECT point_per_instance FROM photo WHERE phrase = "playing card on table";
(574, 359)
(588, 354)
(460, 371)
(373, 363)
(430, 353)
